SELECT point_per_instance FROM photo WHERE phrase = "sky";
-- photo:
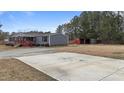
(17, 21)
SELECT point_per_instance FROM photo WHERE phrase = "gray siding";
(58, 39)
(40, 42)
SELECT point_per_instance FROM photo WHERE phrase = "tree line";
(106, 26)
(3, 34)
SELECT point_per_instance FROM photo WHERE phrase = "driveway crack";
(112, 73)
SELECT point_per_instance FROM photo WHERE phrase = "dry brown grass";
(13, 69)
(114, 51)
(4, 47)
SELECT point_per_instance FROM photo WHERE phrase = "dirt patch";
(15, 70)
(114, 51)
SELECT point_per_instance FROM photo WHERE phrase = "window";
(44, 38)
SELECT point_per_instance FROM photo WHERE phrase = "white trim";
(49, 40)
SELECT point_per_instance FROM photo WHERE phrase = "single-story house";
(50, 39)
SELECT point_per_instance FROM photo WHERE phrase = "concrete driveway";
(72, 66)
(26, 52)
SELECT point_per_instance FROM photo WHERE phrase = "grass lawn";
(113, 51)
(13, 69)
(4, 47)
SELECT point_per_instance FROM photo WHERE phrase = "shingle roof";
(32, 34)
